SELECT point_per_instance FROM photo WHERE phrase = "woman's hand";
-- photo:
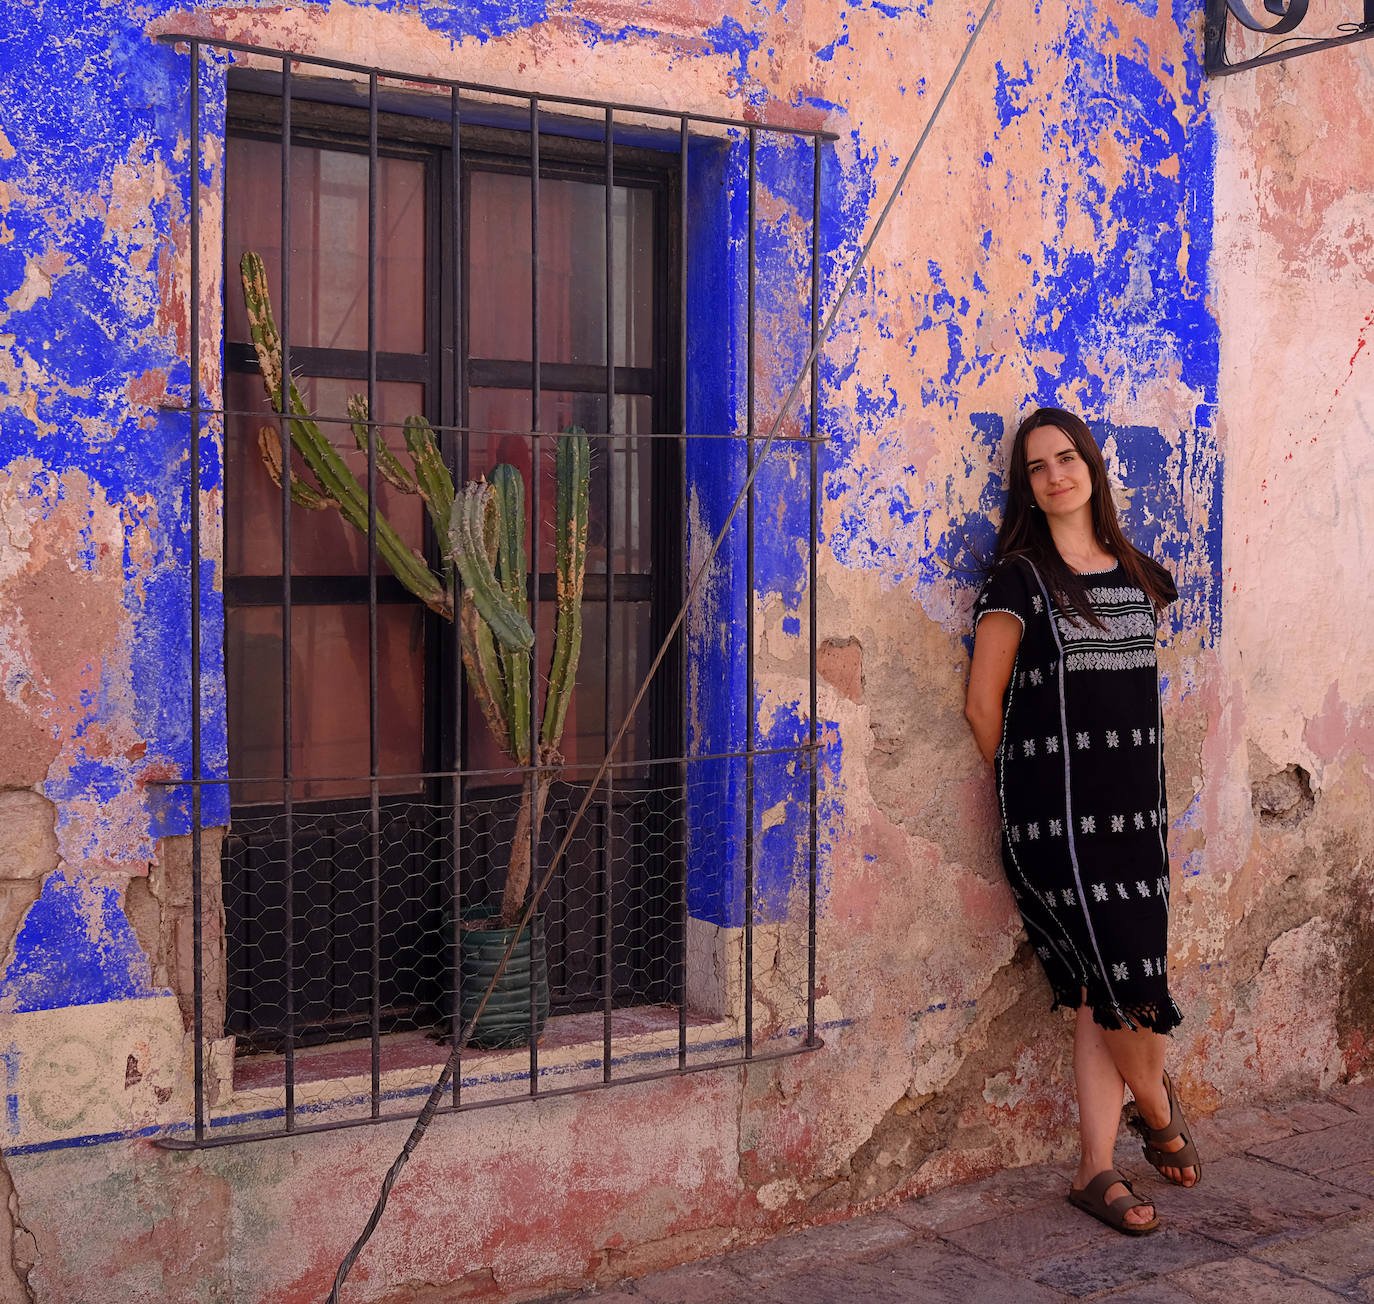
(994, 654)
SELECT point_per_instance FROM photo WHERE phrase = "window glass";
(329, 694)
(572, 270)
(329, 244)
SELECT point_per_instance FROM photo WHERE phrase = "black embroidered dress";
(1080, 782)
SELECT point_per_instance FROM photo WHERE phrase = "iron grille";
(674, 870)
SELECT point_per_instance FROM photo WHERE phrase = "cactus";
(481, 529)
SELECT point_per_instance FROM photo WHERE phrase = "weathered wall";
(1091, 225)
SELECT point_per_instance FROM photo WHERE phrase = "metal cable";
(431, 1106)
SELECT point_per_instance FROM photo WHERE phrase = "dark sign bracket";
(1281, 18)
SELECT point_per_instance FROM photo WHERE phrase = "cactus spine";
(481, 529)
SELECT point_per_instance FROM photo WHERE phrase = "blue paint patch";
(1010, 93)
(791, 625)
(76, 947)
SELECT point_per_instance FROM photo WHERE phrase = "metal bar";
(288, 782)
(610, 664)
(373, 747)
(536, 518)
(482, 88)
(658, 1075)
(566, 768)
(197, 924)
(1218, 67)
(456, 977)
(812, 542)
(750, 739)
(684, 583)
(523, 431)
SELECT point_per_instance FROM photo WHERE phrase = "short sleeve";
(1006, 589)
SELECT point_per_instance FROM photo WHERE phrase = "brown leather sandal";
(1154, 1137)
(1092, 1199)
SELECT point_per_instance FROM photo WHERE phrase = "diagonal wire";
(431, 1106)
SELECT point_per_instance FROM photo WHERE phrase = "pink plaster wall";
(949, 1064)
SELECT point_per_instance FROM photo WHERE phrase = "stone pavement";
(1284, 1215)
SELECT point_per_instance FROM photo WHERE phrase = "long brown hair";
(1026, 533)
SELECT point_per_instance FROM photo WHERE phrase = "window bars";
(684, 812)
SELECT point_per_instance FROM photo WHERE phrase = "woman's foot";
(1141, 1215)
(1156, 1114)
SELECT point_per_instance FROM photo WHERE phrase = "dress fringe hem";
(1156, 1018)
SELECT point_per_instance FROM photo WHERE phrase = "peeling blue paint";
(76, 947)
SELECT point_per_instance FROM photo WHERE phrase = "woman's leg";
(1139, 1058)
(1101, 1091)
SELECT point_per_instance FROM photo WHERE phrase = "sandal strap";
(1184, 1157)
(1104, 1181)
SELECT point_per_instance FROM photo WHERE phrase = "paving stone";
(708, 1282)
(1026, 1237)
(1358, 1177)
(919, 1271)
(1348, 1143)
(1314, 1115)
(1339, 1257)
(1006, 1192)
(1242, 1201)
(1127, 1261)
(1256, 1283)
(1232, 1131)
(857, 1238)
(1358, 1096)
(1153, 1292)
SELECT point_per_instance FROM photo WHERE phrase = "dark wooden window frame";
(332, 125)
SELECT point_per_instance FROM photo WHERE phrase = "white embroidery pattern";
(1140, 819)
(1043, 952)
(1069, 898)
(1122, 893)
(1112, 738)
(1162, 887)
(1120, 972)
(1152, 735)
(1099, 891)
(1118, 823)
(1015, 833)
(1037, 604)
(1149, 968)
(1142, 887)
(1132, 659)
(1028, 747)
(1033, 831)
(1036, 678)
(1051, 745)
(1056, 828)
(1088, 823)
(1136, 736)
(1154, 817)
(1083, 740)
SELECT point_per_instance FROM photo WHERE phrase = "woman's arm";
(994, 654)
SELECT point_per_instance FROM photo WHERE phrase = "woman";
(1063, 699)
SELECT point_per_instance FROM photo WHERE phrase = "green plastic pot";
(505, 1019)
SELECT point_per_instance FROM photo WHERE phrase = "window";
(479, 376)
(366, 798)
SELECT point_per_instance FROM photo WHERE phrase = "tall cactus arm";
(431, 475)
(574, 481)
(508, 492)
(335, 480)
(388, 464)
(484, 672)
(467, 548)
(302, 494)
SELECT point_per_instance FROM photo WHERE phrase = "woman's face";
(1059, 477)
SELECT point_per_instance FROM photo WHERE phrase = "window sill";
(333, 1083)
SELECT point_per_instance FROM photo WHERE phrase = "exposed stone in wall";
(1283, 797)
(17, 1240)
(159, 906)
